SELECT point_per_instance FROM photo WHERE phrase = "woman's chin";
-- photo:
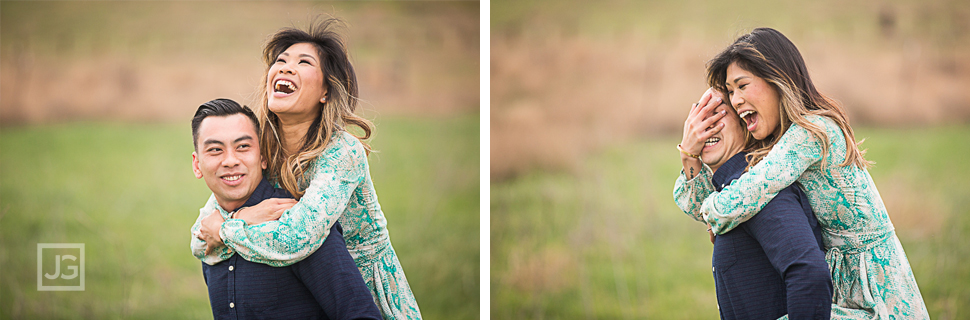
(759, 136)
(277, 107)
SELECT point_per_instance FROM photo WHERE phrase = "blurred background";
(588, 103)
(95, 144)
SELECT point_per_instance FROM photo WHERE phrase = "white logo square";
(62, 269)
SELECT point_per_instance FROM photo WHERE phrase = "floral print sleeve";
(689, 194)
(302, 229)
(198, 246)
(794, 153)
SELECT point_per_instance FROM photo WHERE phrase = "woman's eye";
(742, 86)
(278, 60)
(305, 61)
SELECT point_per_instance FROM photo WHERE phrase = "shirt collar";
(263, 191)
(730, 170)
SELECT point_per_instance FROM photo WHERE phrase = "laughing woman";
(307, 106)
(804, 137)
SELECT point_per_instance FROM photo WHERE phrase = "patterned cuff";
(229, 228)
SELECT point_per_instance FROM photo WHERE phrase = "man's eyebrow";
(246, 137)
(212, 141)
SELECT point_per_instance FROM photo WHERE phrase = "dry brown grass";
(157, 61)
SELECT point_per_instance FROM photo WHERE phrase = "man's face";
(228, 158)
(726, 143)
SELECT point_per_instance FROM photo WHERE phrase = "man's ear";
(195, 166)
(262, 163)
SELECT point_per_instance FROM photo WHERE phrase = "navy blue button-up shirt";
(772, 264)
(325, 285)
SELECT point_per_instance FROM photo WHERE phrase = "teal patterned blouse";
(340, 189)
(871, 276)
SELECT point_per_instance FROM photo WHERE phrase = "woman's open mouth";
(283, 88)
(750, 118)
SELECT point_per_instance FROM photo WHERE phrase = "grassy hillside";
(608, 242)
(127, 192)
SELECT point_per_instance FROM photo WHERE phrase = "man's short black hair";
(219, 108)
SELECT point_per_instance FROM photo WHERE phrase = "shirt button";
(712, 269)
(230, 268)
(232, 305)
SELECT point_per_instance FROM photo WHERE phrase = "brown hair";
(335, 114)
(768, 54)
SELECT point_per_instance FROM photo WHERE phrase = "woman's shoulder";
(343, 142)
(342, 147)
(824, 123)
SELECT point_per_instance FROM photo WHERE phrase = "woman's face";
(755, 100)
(294, 84)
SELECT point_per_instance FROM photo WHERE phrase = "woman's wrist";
(688, 153)
(239, 215)
(692, 166)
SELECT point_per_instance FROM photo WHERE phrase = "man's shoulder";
(265, 190)
(785, 210)
(280, 193)
(788, 200)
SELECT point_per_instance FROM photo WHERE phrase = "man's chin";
(235, 195)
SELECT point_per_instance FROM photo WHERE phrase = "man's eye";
(212, 150)
(244, 146)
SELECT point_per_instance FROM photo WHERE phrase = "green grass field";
(128, 193)
(606, 240)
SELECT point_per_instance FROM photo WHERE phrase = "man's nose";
(231, 159)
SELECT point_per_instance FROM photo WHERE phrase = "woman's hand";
(701, 124)
(268, 210)
(210, 231)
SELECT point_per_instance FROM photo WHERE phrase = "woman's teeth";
(744, 115)
(285, 86)
(712, 141)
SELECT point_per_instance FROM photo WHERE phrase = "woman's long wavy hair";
(768, 54)
(335, 114)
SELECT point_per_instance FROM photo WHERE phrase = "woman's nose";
(286, 69)
(736, 100)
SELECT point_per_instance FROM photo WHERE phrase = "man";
(773, 264)
(325, 285)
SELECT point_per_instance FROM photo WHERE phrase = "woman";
(307, 106)
(802, 136)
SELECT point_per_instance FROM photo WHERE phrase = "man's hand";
(268, 210)
(211, 225)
